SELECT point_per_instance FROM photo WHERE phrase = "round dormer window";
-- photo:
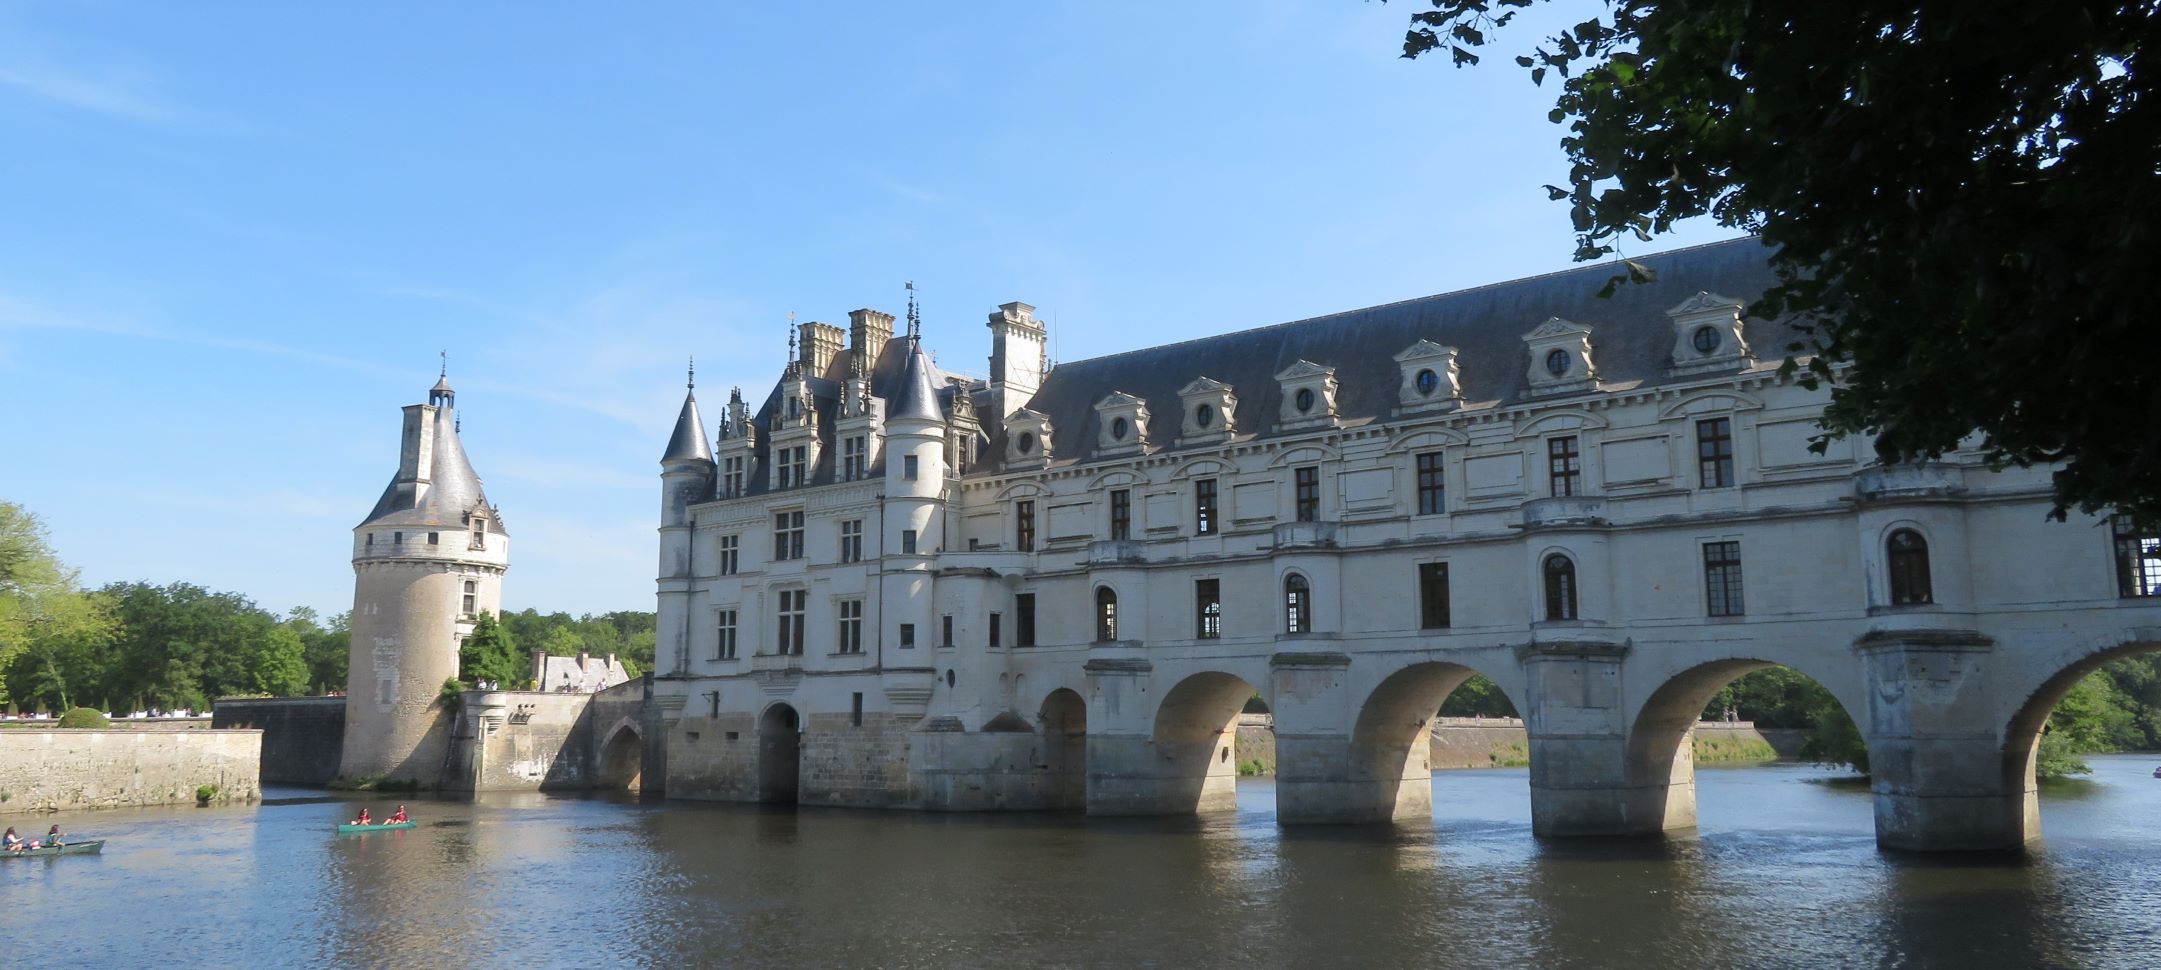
(1706, 340)
(1026, 444)
(1305, 400)
(1118, 429)
(1427, 382)
(1557, 363)
(1204, 416)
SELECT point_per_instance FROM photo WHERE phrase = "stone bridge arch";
(1373, 763)
(2046, 679)
(1668, 696)
(621, 761)
(1161, 741)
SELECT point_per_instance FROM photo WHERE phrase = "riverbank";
(1502, 742)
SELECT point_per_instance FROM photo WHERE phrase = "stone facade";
(65, 770)
(1058, 585)
(427, 560)
(303, 737)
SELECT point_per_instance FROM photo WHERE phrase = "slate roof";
(917, 396)
(891, 380)
(1631, 340)
(453, 488)
(688, 442)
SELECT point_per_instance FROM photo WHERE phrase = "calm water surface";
(1784, 872)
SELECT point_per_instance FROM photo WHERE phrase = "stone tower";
(686, 479)
(427, 561)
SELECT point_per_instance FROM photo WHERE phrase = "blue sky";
(234, 236)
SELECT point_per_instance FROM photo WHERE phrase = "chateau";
(890, 584)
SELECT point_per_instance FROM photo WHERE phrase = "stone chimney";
(868, 330)
(416, 447)
(1016, 356)
(821, 343)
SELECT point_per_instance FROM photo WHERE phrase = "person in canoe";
(363, 819)
(399, 817)
(53, 836)
(11, 842)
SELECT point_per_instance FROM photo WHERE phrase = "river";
(1783, 872)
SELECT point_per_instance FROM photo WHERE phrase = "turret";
(686, 479)
(427, 560)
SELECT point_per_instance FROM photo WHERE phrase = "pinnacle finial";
(444, 372)
(690, 382)
(915, 319)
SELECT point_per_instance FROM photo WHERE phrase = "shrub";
(83, 717)
(204, 793)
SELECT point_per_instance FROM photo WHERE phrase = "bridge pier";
(1936, 760)
(1580, 782)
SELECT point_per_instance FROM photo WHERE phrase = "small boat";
(348, 828)
(65, 848)
(2157, 772)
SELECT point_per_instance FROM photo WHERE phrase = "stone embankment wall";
(1500, 742)
(303, 737)
(539, 740)
(70, 769)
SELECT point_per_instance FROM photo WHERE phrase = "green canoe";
(379, 827)
(70, 848)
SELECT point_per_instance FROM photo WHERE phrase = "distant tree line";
(135, 646)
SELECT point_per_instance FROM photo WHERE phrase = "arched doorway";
(1195, 743)
(1663, 740)
(780, 765)
(1064, 718)
(622, 760)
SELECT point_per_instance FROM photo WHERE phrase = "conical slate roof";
(917, 397)
(688, 442)
(453, 488)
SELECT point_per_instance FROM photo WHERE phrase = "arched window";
(1560, 588)
(1297, 604)
(1908, 555)
(1106, 613)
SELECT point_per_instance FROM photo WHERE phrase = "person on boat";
(399, 817)
(53, 836)
(11, 841)
(362, 820)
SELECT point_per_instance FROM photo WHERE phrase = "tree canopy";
(1958, 196)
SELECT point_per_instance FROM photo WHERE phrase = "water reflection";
(1784, 872)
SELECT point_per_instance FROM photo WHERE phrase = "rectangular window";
(480, 535)
(397, 538)
(1024, 526)
(907, 542)
(852, 452)
(1714, 453)
(1121, 514)
(996, 622)
(1564, 465)
(434, 538)
(790, 627)
(1207, 608)
(788, 535)
(851, 625)
(1306, 501)
(724, 645)
(1722, 578)
(472, 596)
(731, 477)
(2138, 559)
(1204, 507)
(855, 710)
(1024, 619)
(851, 540)
(908, 467)
(729, 555)
(1431, 484)
(907, 636)
(945, 630)
(371, 538)
(1432, 595)
(790, 466)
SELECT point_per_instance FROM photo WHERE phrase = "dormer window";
(1707, 335)
(1430, 379)
(1309, 396)
(1025, 444)
(1560, 358)
(1123, 419)
(1028, 439)
(1208, 406)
